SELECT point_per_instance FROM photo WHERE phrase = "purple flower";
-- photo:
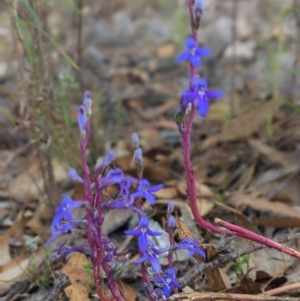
(63, 211)
(200, 94)
(142, 231)
(74, 176)
(168, 282)
(145, 191)
(152, 257)
(192, 53)
(82, 120)
(188, 244)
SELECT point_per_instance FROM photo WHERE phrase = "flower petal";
(190, 43)
(184, 56)
(153, 233)
(155, 264)
(166, 291)
(203, 51)
(189, 95)
(195, 61)
(214, 94)
(133, 232)
(156, 188)
(143, 242)
(68, 216)
(150, 198)
(203, 106)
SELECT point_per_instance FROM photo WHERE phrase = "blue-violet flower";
(145, 191)
(191, 246)
(168, 282)
(200, 94)
(192, 53)
(142, 231)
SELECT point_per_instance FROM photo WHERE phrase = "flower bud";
(87, 102)
(74, 176)
(170, 208)
(82, 120)
(171, 222)
(135, 140)
(197, 12)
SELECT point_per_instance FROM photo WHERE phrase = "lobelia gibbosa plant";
(106, 262)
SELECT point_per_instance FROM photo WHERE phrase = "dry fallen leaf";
(17, 269)
(80, 280)
(245, 125)
(29, 184)
(127, 291)
(214, 277)
(262, 204)
(166, 193)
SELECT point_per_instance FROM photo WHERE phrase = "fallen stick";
(60, 283)
(226, 296)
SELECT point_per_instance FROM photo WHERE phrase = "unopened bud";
(82, 120)
(197, 12)
(87, 102)
(74, 176)
(171, 222)
(138, 156)
(135, 140)
(170, 208)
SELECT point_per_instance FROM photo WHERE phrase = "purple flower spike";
(145, 191)
(201, 95)
(63, 211)
(142, 231)
(193, 53)
(168, 282)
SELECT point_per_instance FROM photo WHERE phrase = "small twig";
(227, 296)
(221, 260)
(60, 283)
(282, 289)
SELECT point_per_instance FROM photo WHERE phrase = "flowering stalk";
(196, 98)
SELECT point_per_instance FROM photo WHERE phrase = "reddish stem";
(242, 232)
